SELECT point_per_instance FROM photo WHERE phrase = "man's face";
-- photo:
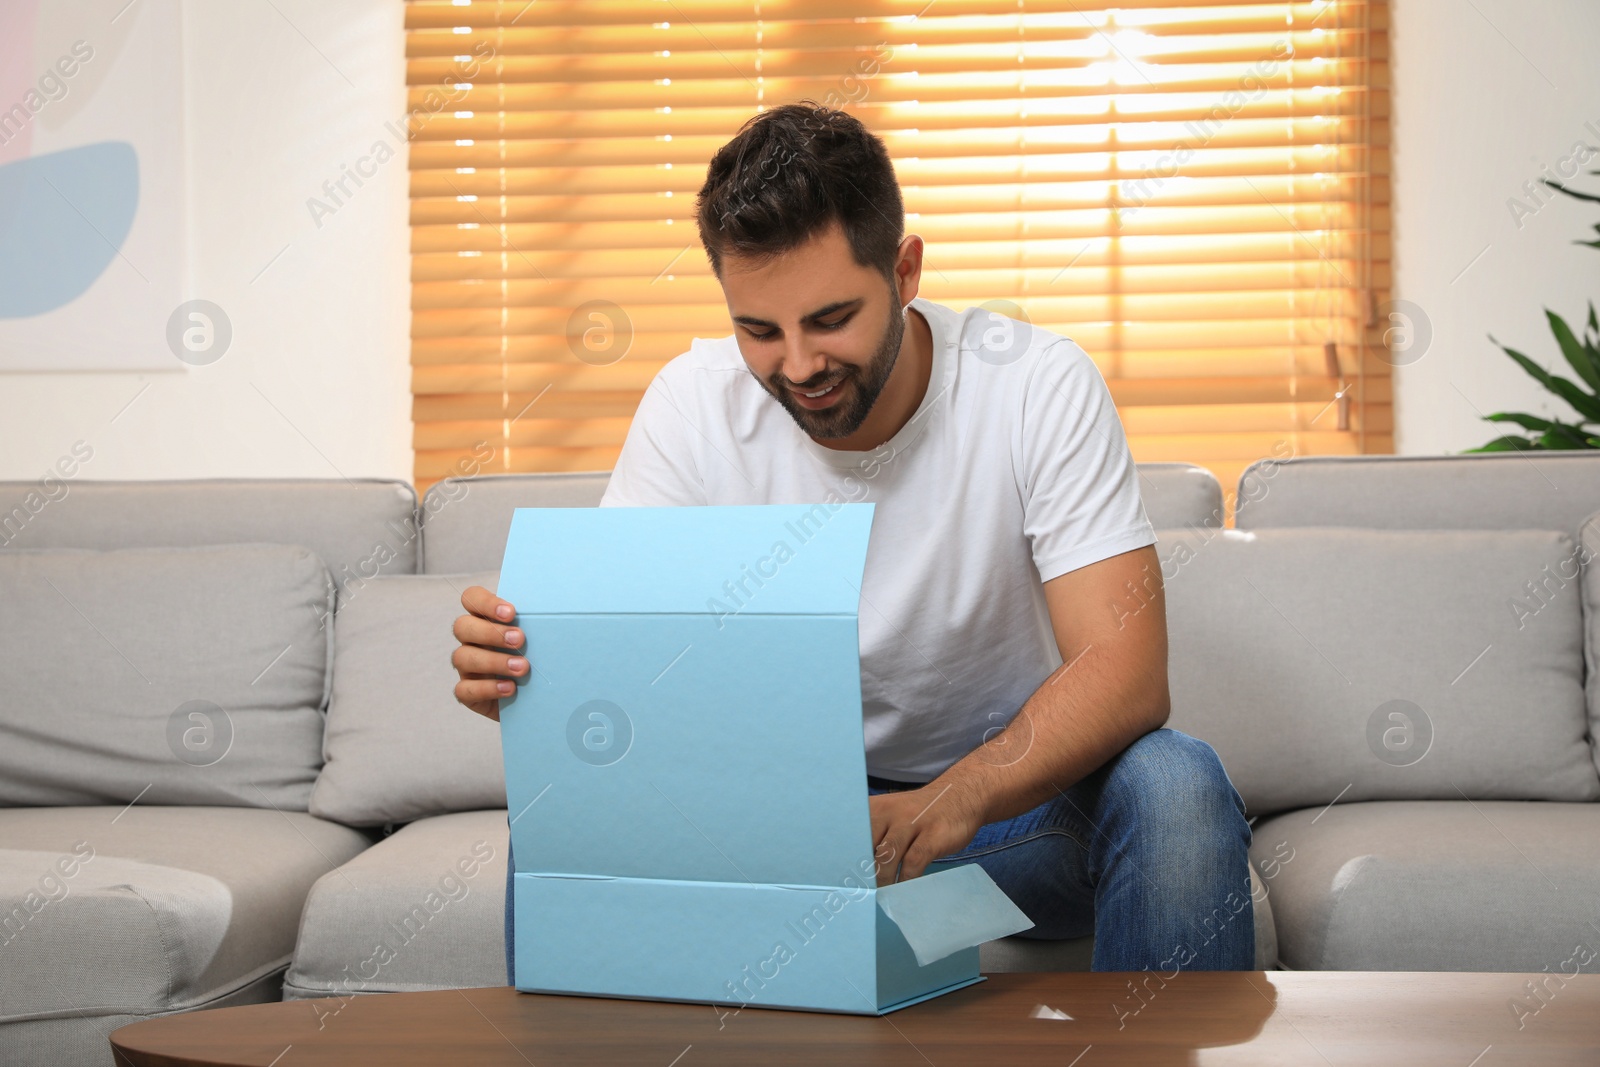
(819, 332)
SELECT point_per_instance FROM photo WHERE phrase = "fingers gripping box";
(686, 776)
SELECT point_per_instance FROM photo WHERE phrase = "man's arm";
(1110, 624)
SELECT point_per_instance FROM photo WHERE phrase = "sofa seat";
(115, 914)
(1435, 885)
(425, 909)
(422, 909)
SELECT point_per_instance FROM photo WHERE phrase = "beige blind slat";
(1237, 251)
(1080, 225)
(1170, 295)
(630, 141)
(1259, 165)
(1212, 206)
(1193, 15)
(556, 149)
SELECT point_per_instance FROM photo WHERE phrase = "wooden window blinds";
(1196, 193)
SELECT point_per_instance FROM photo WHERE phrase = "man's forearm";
(1087, 711)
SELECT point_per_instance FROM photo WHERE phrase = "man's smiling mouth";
(817, 399)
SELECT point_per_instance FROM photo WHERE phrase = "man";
(1012, 704)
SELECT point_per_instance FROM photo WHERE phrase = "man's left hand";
(911, 829)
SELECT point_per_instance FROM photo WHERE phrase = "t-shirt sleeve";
(657, 467)
(1080, 488)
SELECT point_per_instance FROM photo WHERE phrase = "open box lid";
(773, 559)
(694, 711)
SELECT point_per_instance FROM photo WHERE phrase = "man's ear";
(908, 269)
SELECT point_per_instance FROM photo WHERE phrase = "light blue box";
(686, 775)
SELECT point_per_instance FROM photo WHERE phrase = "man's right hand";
(487, 669)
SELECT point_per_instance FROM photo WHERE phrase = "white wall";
(1487, 94)
(316, 380)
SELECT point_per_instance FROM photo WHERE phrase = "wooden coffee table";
(1065, 1020)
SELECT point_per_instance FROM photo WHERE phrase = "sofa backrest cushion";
(162, 675)
(466, 520)
(1589, 540)
(398, 745)
(1332, 664)
(1485, 491)
(1180, 494)
(357, 528)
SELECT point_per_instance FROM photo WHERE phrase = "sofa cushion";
(466, 520)
(1589, 539)
(1180, 494)
(1487, 491)
(1434, 886)
(174, 676)
(143, 910)
(359, 527)
(1379, 664)
(398, 746)
(421, 909)
(84, 1040)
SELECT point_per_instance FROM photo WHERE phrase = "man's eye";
(824, 325)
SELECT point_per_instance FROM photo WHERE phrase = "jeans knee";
(1169, 773)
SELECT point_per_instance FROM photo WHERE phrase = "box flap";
(653, 739)
(950, 910)
(770, 559)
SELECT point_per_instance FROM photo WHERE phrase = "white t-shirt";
(1013, 470)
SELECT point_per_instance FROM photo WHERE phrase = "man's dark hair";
(787, 175)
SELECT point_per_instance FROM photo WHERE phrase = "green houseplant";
(1583, 396)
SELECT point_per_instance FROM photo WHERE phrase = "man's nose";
(803, 365)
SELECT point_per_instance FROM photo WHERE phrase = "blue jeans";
(1150, 854)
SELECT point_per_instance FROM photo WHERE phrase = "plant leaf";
(1527, 422)
(1561, 437)
(1576, 434)
(1584, 404)
(1553, 434)
(1583, 361)
(1506, 444)
(1570, 192)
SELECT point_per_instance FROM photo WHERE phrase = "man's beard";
(847, 415)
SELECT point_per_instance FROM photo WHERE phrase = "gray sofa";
(231, 769)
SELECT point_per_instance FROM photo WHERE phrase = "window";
(1197, 194)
